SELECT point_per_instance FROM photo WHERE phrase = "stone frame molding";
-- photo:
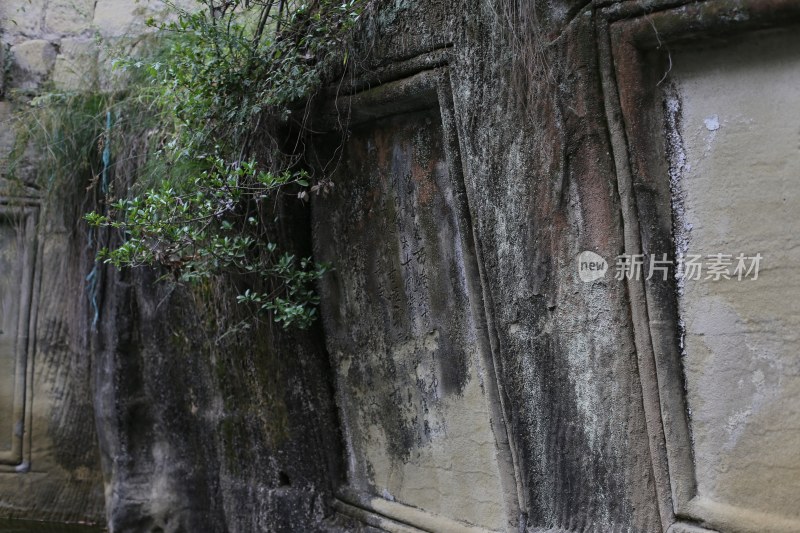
(633, 41)
(418, 84)
(24, 213)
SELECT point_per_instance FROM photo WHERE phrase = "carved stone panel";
(17, 254)
(739, 194)
(402, 318)
(703, 106)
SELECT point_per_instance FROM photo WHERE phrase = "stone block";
(17, 288)
(126, 18)
(118, 18)
(412, 369)
(76, 66)
(32, 63)
(22, 18)
(111, 79)
(36, 57)
(737, 201)
(66, 17)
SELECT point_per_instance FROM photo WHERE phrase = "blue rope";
(106, 154)
(91, 289)
(91, 279)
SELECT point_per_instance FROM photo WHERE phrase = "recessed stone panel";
(410, 380)
(16, 280)
(9, 317)
(736, 178)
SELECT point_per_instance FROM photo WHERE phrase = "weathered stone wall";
(538, 187)
(56, 473)
(138, 417)
(68, 44)
(57, 476)
(203, 434)
(411, 379)
(558, 114)
(463, 377)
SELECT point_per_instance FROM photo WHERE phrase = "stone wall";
(50, 463)
(68, 44)
(138, 422)
(621, 403)
(467, 374)
(527, 188)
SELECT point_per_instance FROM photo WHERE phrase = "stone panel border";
(421, 83)
(24, 213)
(633, 39)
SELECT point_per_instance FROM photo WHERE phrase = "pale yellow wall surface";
(739, 192)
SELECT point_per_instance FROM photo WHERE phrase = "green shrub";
(222, 94)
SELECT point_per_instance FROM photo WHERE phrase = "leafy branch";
(226, 87)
